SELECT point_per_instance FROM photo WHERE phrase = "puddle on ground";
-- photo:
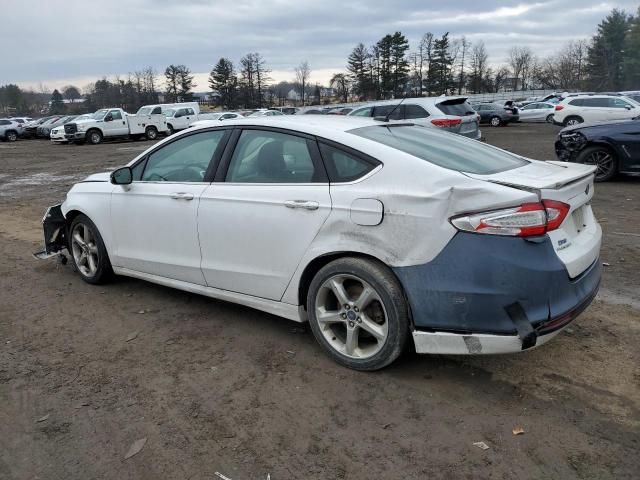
(12, 186)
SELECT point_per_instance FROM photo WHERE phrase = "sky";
(56, 43)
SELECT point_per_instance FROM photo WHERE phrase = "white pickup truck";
(115, 123)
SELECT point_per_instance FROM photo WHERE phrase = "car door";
(269, 200)
(116, 126)
(154, 219)
(622, 109)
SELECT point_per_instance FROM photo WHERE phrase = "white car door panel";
(154, 219)
(156, 231)
(255, 227)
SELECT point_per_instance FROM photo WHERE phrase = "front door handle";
(182, 196)
(306, 204)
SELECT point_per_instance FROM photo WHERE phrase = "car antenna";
(386, 117)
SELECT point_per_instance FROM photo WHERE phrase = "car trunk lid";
(577, 240)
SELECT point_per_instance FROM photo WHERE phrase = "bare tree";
(521, 61)
(303, 71)
(479, 65)
(71, 93)
(340, 82)
(464, 48)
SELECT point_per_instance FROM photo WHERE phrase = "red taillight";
(559, 107)
(527, 220)
(556, 213)
(446, 122)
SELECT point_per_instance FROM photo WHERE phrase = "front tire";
(604, 160)
(358, 313)
(11, 136)
(549, 118)
(94, 137)
(88, 253)
(495, 121)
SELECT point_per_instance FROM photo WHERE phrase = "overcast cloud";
(77, 41)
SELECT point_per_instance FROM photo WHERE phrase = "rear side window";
(595, 102)
(5, 122)
(414, 111)
(577, 102)
(459, 107)
(271, 157)
(384, 110)
(445, 150)
(343, 166)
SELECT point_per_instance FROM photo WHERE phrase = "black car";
(613, 147)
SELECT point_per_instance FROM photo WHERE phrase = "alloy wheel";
(12, 137)
(84, 249)
(351, 316)
(495, 122)
(573, 121)
(603, 162)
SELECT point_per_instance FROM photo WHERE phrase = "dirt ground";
(216, 387)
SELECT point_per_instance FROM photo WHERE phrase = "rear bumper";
(486, 294)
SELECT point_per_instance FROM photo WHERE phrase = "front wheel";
(11, 136)
(604, 160)
(495, 121)
(358, 313)
(88, 253)
(572, 121)
(549, 118)
(94, 137)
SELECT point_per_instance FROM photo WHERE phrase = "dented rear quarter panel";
(418, 199)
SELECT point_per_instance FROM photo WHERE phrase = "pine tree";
(224, 81)
(632, 54)
(442, 79)
(358, 68)
(57, 103)
(605, 59)
(399, 63)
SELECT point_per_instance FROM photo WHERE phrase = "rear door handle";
(182, 196)
(306, 204)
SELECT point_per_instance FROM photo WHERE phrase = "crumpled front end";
(569, 144)
(54, 227)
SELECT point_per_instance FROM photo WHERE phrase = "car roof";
(311, 124)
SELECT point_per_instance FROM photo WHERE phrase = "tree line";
(390, 68)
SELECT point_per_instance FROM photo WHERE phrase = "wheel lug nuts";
(347, 306)
(343, 315)
(355, 309)
(359, 320)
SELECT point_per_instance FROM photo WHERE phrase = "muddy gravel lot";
(86, 371)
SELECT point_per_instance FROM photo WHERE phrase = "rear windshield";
(443, 149)
(458, 106)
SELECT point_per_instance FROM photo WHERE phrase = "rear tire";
(94, 137)
(170, 130)
(358, 313)
(87, 251)
(603, 158)
(573, 120)
(151, 133)
(495, 121)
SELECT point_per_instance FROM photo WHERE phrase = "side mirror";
(122, 176)
(108, 118)
(628, 107)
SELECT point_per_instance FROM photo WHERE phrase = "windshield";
(169, 113)
(99, 115)
(443, 149)
(257, 114)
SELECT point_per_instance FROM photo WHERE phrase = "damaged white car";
(376, 233)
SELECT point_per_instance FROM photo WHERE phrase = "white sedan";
(375, 233)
